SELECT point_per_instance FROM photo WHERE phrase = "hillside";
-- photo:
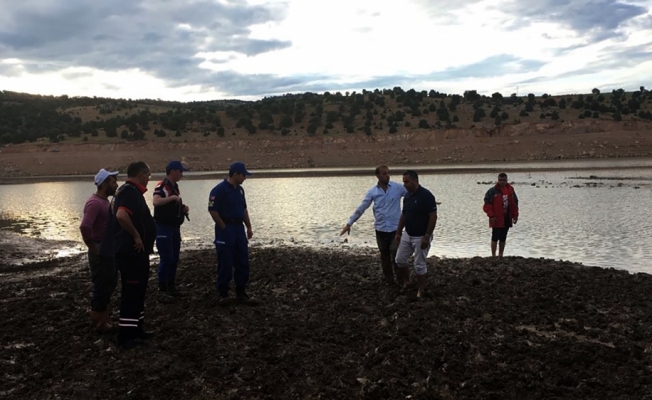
(330, 129)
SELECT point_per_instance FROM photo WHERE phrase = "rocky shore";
(327, 328)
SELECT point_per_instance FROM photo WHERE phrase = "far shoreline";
(513, 166)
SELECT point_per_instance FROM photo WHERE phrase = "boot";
(173, 290)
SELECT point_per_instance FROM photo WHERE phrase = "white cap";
(102, 175)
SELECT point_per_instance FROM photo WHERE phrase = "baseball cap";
(239, 168)
(102, 175)
(175, 166)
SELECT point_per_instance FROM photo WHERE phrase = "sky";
(195, 50)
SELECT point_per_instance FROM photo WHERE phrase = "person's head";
(139, 172)
(382, 173)
(106, 182)
(411, 180)
(238, 173)
(502, 179)
(174, 171)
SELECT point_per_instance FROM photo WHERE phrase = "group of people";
(409, 232)
(121, 234)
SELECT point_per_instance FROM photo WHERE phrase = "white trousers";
(411, 245)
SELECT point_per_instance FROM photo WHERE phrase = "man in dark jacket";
(501, 206)
(129, 236)
(169, 213)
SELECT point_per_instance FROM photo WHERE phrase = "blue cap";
(175, 166)
(238, 167)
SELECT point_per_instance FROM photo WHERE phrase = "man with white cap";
(103, 271)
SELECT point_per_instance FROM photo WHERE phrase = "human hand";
(515, 220)
(185, 210)
(425, 242)
(250, 233)
(176, 198)
(492, 220)
(397, 238)
(346, 229)
(138, 244)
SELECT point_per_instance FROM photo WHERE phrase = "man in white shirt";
(386, 197)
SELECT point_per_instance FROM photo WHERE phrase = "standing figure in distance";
(419, 219)
(103, 272)
(169, 213)
(228, 208)
(386, 198)
(501, 206)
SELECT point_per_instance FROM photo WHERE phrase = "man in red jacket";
(501, 206)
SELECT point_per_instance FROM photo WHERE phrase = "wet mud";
(328, 328)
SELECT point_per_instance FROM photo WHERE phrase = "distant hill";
(30, 118)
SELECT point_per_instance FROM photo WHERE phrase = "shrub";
(392, 129)
(423, 124)
(220, 131)
(523, 113)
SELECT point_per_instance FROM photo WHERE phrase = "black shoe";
(144, 335)
(224, 301)
(175, 292)
(131, 343)
(243, 298)
(163, 287)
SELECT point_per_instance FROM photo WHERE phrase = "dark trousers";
(104, 276)
(134, 273)
(387, 247)
(168, 243)
(232, 249)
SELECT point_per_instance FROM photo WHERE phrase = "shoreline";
(512, 166)
(328, 328)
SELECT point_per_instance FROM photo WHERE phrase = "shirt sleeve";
(90, 215)
(366, 202)
(160, 190)
(127, 200)
(431, 203)
(214, 200)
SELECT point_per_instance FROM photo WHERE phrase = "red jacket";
(494, 207)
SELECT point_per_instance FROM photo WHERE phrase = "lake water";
(567, 215)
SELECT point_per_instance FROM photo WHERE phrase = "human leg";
(384, 241)
(420, 264)
(224, 246)
(403, 253)
(165, 247)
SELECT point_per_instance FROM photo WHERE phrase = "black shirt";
(168, 214)
(417, 207)
(129, 197)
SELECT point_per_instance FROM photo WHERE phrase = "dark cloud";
(158, 37)
(596, 19)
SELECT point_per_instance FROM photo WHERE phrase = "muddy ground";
(327, 328)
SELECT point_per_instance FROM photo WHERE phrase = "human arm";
(366, 202)
(432, 222)
(247, 222)
(86, 227)
(125, 223)
(217, 219)
(515, 212)
(488, 206)
(399, 229)
(161, 201)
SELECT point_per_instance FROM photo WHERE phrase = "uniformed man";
(169, 213)
(228, 208)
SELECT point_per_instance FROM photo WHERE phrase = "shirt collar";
(140, 187)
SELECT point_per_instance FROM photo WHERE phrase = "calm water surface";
(565, 215)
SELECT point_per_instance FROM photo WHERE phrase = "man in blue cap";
(169, 213)
(228, 208)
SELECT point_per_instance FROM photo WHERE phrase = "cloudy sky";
(214, 49)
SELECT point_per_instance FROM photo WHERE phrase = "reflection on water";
(570, 215)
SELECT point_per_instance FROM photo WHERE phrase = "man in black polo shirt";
(169, 213)
(129, 236)
(419, 218)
